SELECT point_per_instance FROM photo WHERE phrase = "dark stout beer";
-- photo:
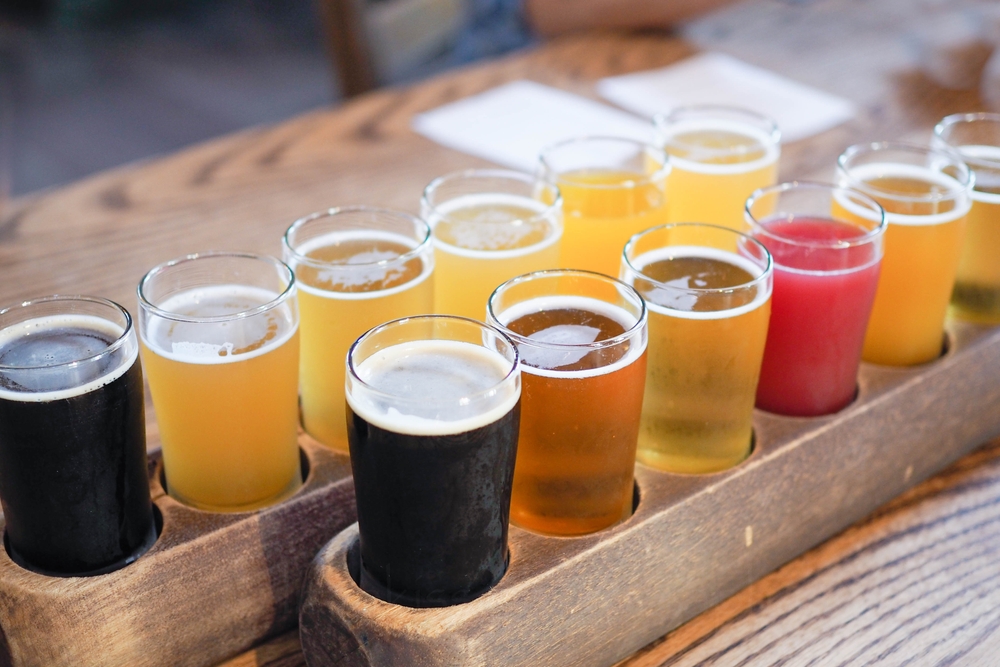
(73, 477)
(433, 484)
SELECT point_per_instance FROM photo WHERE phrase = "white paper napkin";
(715, 78)
(511, 124)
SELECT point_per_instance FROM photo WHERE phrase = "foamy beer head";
(433, 417)
(717, 139)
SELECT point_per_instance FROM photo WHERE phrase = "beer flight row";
(774, 304)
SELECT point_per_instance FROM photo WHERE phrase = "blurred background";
(98, 83)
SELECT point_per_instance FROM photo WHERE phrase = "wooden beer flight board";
(693, 540)
(213, 584)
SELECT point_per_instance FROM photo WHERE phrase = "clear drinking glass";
(976, 137)
(611, 189)
(582, 341)
(826, 269)
(708, 290)
(356, 267)
(220, 345)
(926, 196)
(489, 226)
(433, 410)
(719, 155)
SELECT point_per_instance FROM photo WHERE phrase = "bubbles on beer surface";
(53, 351)
(910, 194)
(358, 261)
(493, 222)
(671, 277)
(433, 387)
(228, 340)
(719, 146)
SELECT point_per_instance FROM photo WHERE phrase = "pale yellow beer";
(489, 226)
(611, 189)
(356, 268)
(976, 136)
(708, 292)
(222, 366)
(925, 194)
(719, 156)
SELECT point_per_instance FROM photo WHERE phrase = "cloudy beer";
(433, 410)
(708, 291)
(582, 341)
(356, 268)
(220, 345)
(72, 436)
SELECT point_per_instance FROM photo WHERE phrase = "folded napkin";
(715, 78)
(511, 124)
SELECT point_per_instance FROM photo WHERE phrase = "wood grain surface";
(915, 582)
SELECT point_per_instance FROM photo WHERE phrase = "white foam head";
(433, 387)
(678, 300)
(987, 177)
(666, 132)
(490, 239)
(867, 172)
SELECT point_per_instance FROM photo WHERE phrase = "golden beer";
(976, 137)
(718, 157)
(351, 280)
(926, 209)
(489, 226)
(611, 189)
(583, 364)
(222, 365)
(708, 319)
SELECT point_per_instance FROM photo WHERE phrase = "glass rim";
(870, 236)
(951, 154)
(762, 278)
(112, 347)
(508, 174)
(299, 258)
(545, 160)
(623, 337)
(958, 118)
(159, 269)
(767, 124)
(483, 326)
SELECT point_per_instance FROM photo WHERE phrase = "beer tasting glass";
(73, 475)
(220, 344)
(826, 271)
(976, 136)
(433, 405)
(356, 267)
(708, 290)
(926, 196)
(582, 341)
(718, 155)
(489, 226)
(611, 189)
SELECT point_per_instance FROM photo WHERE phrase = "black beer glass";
(73, 479)
(433, 409)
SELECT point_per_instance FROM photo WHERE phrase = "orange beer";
(611, 188)
(925, 194)
(220, 346)
(582, 341)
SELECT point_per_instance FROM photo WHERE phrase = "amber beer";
(433, 407)
(708, 291)
(220, 343)
(73, 476)
(356, 268)
(582, 340)
(926, 196)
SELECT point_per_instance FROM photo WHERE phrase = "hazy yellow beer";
(489, 226)
(925, 194)
(220, 346)
(976, 136)
(708, 292)
(611, 188)
(718, 157)
(356, 268)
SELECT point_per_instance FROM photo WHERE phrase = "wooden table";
(916, 583)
